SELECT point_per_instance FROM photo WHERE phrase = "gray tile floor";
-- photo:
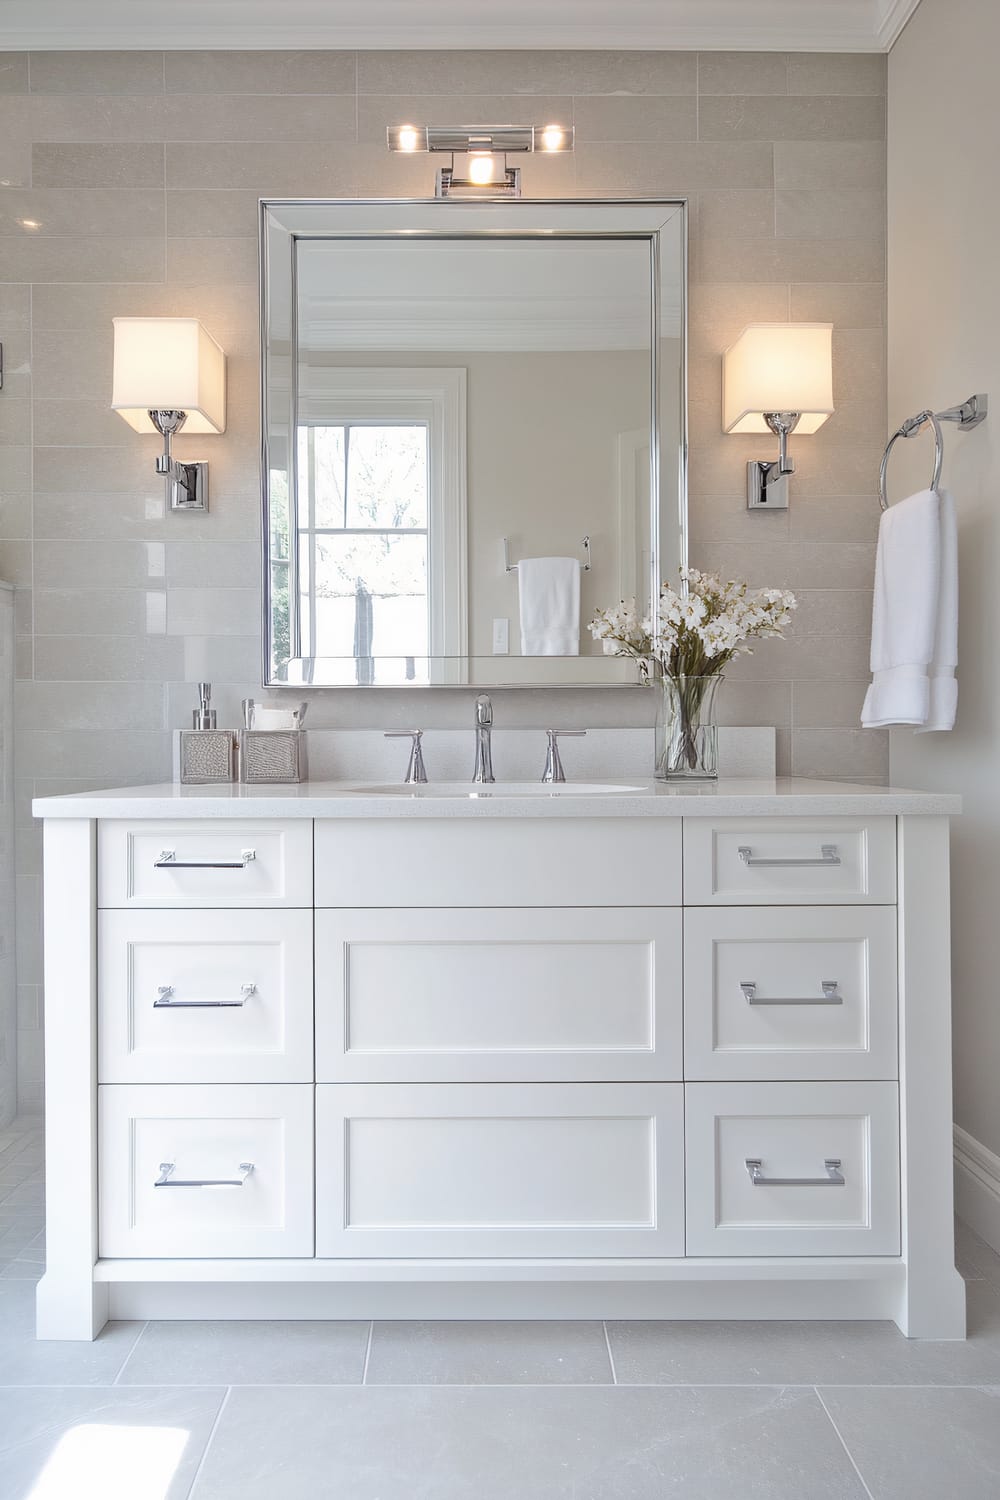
(480, 1411)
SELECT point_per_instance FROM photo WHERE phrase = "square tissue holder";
(271, 748)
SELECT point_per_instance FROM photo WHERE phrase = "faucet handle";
(484, 711)
(416, 772)
(553, 761)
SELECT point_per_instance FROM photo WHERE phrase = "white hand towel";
(943, 704)
(549, 588)
(915, 616)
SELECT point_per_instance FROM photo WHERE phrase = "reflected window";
(362, 543)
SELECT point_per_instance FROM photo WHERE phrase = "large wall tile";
(828, 165)
(89, 705)
(655, 118)
(527, 73)
(259, 72)
(271, 169)
(258, 117)
(95, 658)
(819, 118)
(100, 612)
(829, 214)
(101, 73)
(97, 164)
(742, 73)
(836, 73)
(649, 168)
(38, 259)
(72, 212)
(95, 117)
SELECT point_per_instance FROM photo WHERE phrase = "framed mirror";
(474, 436)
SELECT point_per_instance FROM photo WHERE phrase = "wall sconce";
(168, 374)
(777, 377)
(487, 148)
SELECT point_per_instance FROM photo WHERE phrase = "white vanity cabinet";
(656, 1053)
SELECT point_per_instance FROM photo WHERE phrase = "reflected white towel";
(915, 616)
(550, 606)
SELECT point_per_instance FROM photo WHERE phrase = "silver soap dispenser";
(204, 753)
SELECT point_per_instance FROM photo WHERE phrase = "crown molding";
(895, 14)
(284, 25)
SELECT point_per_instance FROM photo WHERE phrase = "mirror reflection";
(467, 470)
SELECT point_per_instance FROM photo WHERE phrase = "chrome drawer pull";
(165, 1178)
(829, 997)
(834, 1177)
(168, 861)
(164, 1002)
(829, 855)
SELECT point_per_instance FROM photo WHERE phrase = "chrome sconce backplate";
(767, 479)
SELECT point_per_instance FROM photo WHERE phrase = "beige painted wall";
(944, 344)
(130, 185)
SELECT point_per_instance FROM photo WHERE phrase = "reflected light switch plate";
(501, 637)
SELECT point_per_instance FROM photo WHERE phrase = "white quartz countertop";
(727, 798)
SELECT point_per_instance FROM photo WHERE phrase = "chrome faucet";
(484, 727)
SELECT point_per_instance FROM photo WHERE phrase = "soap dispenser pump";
(204, 753)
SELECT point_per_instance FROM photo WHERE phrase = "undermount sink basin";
(497, 789)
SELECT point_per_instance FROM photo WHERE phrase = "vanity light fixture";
(486, 147)
(170, 373)
(777, 377)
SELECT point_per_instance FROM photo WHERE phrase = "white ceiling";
(708, 25)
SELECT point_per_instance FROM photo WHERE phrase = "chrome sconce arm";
(187, 483)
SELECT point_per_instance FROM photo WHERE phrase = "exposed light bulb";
(407, 138)
(481, 169)
(553, 138)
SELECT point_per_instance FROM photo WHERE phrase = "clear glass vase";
(687, 735)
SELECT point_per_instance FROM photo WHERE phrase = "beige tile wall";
(128, 184)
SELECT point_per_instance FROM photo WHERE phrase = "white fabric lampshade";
(168, 364)
(778, 367)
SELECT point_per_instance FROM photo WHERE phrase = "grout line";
(209, 1440)
(121, 1368)
(843, 1444)
(611, 1358)
(368, 1352)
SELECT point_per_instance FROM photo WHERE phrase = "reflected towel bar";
(510, 567)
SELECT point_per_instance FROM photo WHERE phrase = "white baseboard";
(977, 1187)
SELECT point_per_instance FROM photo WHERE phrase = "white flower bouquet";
(698, 630)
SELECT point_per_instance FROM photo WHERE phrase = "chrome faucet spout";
(483, 772)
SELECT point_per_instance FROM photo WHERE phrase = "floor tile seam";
(843, 1443)
(611, 1357)
(209, 1440)
(135, 1345)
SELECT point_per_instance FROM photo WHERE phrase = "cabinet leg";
(70, 1309)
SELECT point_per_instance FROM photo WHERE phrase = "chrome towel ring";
(969, 414)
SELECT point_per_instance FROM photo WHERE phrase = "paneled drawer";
(790, 993)
(499, 1169)
(789, 861)
(578, 861)
(511, 994)
(205, 996)
(205, 863)
(240, 1178)
(792, 1169)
